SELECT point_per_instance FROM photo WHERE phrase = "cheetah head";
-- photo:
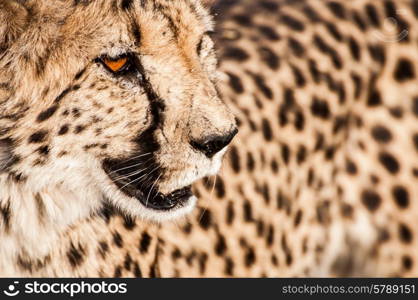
(114, 102)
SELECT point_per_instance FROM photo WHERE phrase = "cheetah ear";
(14, 18)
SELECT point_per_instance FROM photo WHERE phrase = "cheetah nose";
(213, 144)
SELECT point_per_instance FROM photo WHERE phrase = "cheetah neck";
(32, 220)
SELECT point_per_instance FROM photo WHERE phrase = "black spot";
(311, 14)
(415, 141)
(269, 5)
(401, 196)
(333, 29)
(337, 9)
(103, 248)
(248, 212)
(270, 236)
(415, 105)
(234, 158)
(75, 255)
(357, 85)
(373, 15)
(250, 257)
(299, 120)
(44, 150)
(285, 153)
(313, 69)
(128, 262)
(405, 234)
(267, 132)
(220, 187)
(320, 109)
(145, 242)
(203, 258)
(220, 246)
(176, 254)
(374, 97)
(46, 114)
(250, 162)
(205, 219)
(299, 78)
(351, 167)
(6, 214)
(340, 123)
(235, 83)
(298, 218)
(235, 53)
(79, 128)
(244, 20)
(128, 222)
(389, 162)
(229, 266)
(407, 262)
(354, 48)
(274, 166)
(296, 47)
(358, 20)
(404, 70)
(415, 7)
(117, 239)
(301, 154)
(63, 130)
(269, 58)
(269, 33)
(118, 272)
(38, 137)
(381, 134)
(261, 84)
(292, 23)
(371, 200)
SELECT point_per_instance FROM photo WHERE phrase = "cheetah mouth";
(149, 197)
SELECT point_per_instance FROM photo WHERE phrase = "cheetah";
(321, 180)
(93, 119)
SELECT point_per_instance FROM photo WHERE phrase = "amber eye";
(116, 65)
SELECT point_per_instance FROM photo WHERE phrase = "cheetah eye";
(116, 65)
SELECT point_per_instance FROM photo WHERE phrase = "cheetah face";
(124, 104)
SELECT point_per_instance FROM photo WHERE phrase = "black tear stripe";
(146, 142)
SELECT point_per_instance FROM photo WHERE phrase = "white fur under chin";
(67, 201)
